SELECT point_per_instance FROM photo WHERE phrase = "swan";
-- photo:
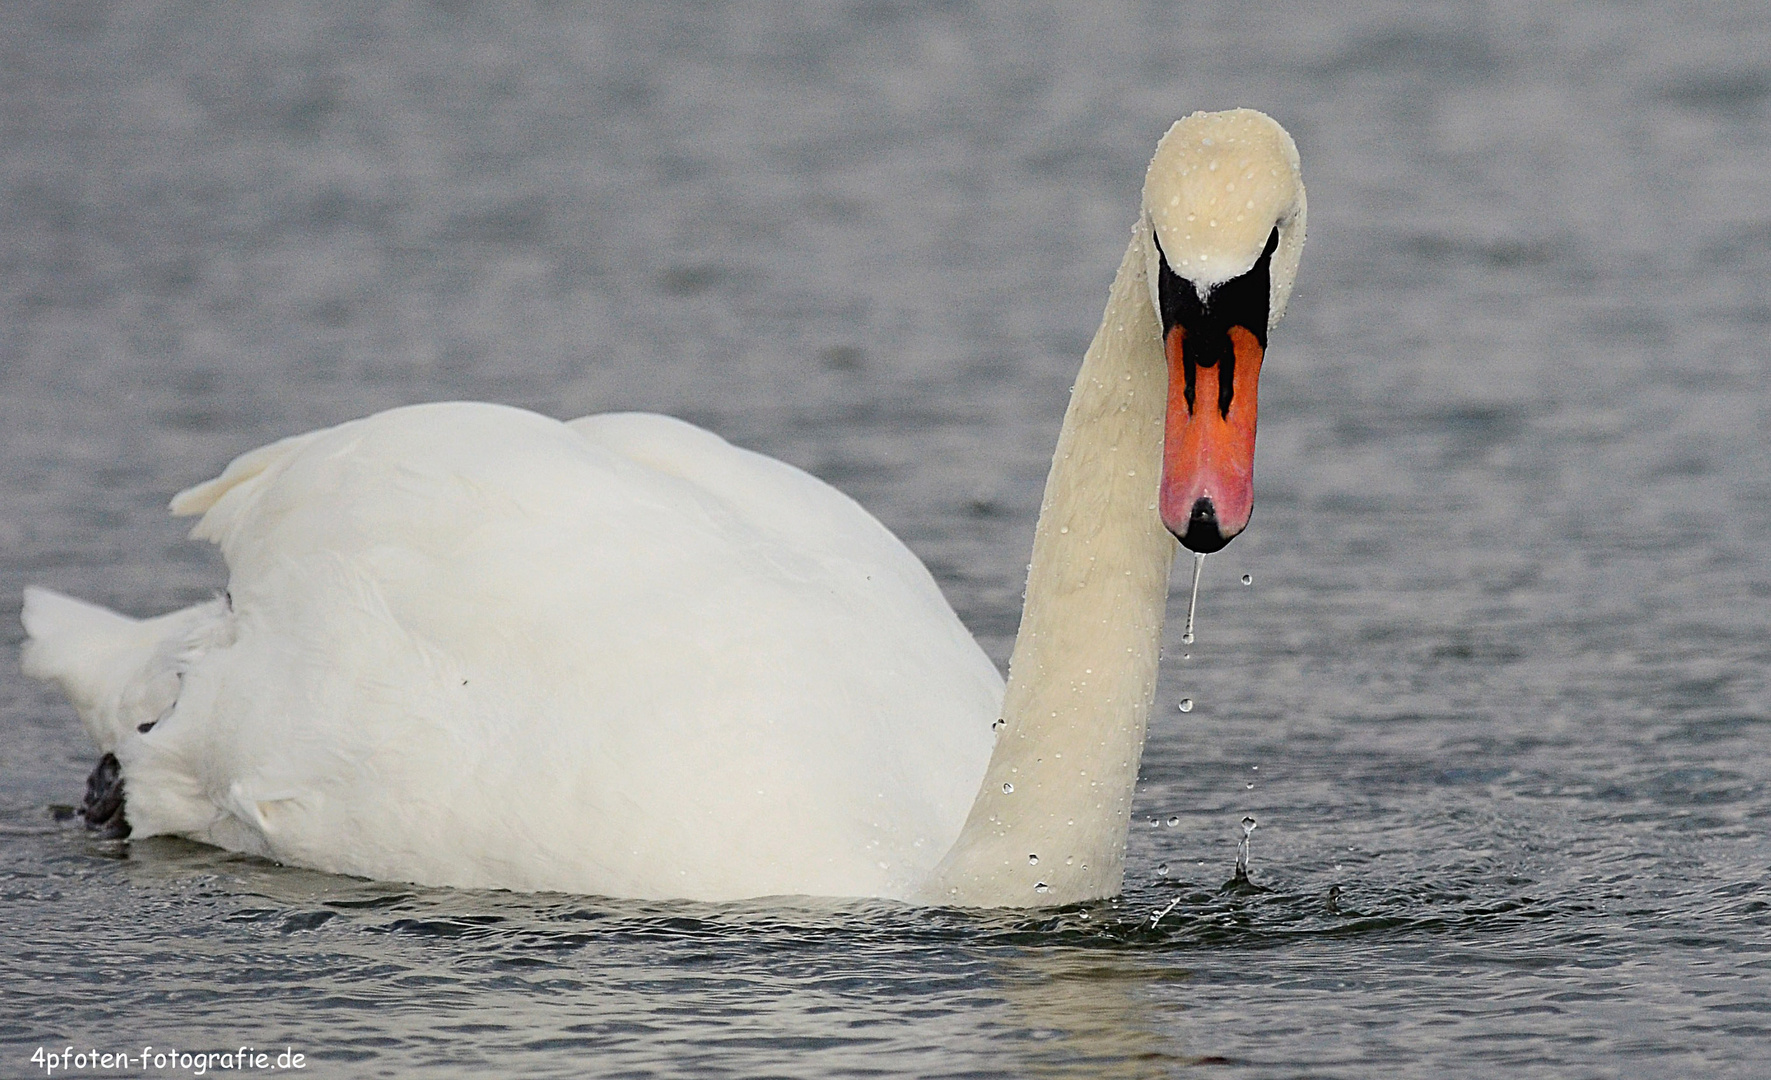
(469, 645)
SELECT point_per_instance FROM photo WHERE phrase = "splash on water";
(1156, 916)
(1249, 825)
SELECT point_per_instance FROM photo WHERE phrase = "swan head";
(1224, 208)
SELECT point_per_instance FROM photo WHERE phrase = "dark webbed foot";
(103, 808)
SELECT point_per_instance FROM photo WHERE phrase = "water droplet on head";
(1249, 825)
(1162, 870)
(1032, 860)
(1008, 788)
(998, 725)
(1186, 704)
(1248, 579)
(1187, 638)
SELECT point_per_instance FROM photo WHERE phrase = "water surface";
(1500, 675)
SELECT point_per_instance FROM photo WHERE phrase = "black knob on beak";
(1203, 534)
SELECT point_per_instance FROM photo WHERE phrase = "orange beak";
(1208, 444)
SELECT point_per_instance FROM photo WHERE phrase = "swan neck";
(1049, 824)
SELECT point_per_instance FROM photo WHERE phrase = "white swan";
(469, 645)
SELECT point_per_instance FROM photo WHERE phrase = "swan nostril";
(1203, 534)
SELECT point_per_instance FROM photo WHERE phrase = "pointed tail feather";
(118, 672)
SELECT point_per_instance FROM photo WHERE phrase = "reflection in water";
(1089, 1012)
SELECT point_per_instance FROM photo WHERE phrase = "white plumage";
(470, 645)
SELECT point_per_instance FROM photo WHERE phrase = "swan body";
(465, 644)
(432, 607)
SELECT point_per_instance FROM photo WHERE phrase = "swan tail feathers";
(79, 646)
(121, 674)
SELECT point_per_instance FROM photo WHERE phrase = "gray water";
(1500, 676)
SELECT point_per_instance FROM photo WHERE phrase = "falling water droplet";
(1186, 704)
(1008, 788)
(1173, 820)
(1162, 870)
(1248, 579)
(1041, 887)
(1193, 602)
(1033, 860)
(1250, 785)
